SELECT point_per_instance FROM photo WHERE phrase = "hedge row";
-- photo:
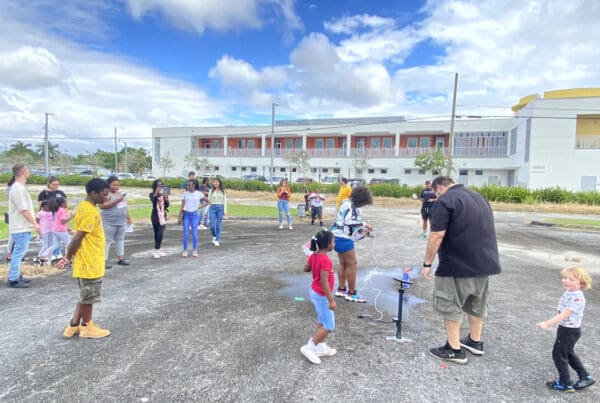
(496, 193)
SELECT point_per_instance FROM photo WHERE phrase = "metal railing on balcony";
(325, 152)
(207, 152)
(587, 142)
(484, 152)
(244, 152)
(414, 151)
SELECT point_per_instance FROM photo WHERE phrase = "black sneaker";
(474, 347)
(584, 383)
(561, 387)
(18, 284)
(123, 262)
(446, 353)
(107, 266)
(26, 280)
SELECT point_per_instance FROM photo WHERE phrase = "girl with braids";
(347, 229)
(321, 296)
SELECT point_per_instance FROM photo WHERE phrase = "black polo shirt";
(469, 248)
(47, 194)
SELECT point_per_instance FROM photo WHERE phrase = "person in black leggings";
(160, 206)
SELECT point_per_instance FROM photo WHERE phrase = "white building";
(552, 140)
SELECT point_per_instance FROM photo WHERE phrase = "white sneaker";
(194, 253)
(310, 354)
(202, 226)
(214, 239)
(281, 226)
(155, 254)
(161, 253)
(323, 350)
(217, 243)
(291, 226)
(184, 254)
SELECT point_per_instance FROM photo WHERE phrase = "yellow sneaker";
(92, 331)
(70, 331)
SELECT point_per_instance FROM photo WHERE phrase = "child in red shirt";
(321, 296)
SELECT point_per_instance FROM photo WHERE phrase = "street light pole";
(46, 159)
(116, 166)
(126, 164)
(273, 105)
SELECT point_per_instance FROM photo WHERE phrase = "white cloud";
(352, 24)
(30, 67)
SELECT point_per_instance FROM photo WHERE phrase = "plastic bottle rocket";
(406, 277)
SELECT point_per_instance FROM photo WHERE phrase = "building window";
(527, 139)
(289, 143)
(387, 142)
(336, 170)
(216, 168)
(241, 143)
(513, 141)
(412, 142)
(233, 169)
(463, 172)
(325, 170)
(243, 169)
(282, 170)
(435, 172)
(157, 149)
(407, 171)
(319, 143)
(371, 170)
(425, 142)
(478, 172)
(384, 171)
(375, 143)
(298, 144)
(250, 143)
(330, 143)
(215, 144)
(421, 172)
(313, 170)
(253, 169)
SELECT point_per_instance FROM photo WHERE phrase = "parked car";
(275, 181)
(378, 181)
(254, 178)
(355, 182)
(123, 175)
(307, 181)
(330, 179)
(149, 178)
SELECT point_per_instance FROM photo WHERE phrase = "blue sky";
(138, 64)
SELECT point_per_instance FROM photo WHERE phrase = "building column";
(397, 145)
(263, 145)
(304, 142)
(348, 145)
(224, 146)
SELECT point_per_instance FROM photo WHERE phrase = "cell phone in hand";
(166, 189)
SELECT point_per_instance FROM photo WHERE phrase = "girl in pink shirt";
(60, 230)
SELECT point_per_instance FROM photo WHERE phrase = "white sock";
(311, 343)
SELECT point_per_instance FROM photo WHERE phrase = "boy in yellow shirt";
(86, 251)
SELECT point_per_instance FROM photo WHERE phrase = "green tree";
(433, 162)
(166, 163)
(360, 162)
(20, 149)
(53, 150)
(300, 161)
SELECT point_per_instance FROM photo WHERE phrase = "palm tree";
(53, 150)
(20, 148)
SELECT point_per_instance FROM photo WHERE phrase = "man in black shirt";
(427, 198)
(464, 238)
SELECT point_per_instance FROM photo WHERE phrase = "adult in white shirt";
(21, 222)
(188, 214)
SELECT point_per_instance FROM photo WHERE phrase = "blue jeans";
(284, 206)
(325, 316)
(21, 242)
(190, 222)
(216, 212)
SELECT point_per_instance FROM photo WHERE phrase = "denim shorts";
(343, 245)
(325, 316)
(90, 290)
(454, 295)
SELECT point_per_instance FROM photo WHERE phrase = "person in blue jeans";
(217, 210)
(283, 202)
(20, 224)
(192, 200)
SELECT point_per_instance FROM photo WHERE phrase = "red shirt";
(321, 262)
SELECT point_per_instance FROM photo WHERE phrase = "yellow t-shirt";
(88, 261)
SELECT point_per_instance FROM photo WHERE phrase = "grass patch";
(577, 222)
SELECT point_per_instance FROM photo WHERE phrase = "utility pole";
(273, 105)
(451, 134)
(126, 164)
(116, 166)
(46, 158)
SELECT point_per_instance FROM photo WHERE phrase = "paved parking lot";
(229, 325)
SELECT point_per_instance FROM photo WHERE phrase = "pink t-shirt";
(321, 262)
(60, 215)
(45, 219)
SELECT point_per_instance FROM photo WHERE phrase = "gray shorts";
(454, 295)
(90, 290)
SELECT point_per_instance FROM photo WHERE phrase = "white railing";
(325, 152)
(489, 152)
(587, 142)
(243, 152)
(414, 151)
(207, 152)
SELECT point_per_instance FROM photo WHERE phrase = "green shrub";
(554, 195)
